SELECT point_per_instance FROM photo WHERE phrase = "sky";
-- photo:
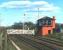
(12, 11)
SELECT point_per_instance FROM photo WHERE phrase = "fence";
(19, 31)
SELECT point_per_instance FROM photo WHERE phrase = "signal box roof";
(46, 18)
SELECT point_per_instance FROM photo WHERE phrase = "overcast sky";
(12, 11)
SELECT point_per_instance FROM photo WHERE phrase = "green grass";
(58, 36)
(10, 46)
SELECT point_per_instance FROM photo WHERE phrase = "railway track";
(55, 44)
(18, 40)
(38, 42)
(32, 43)
(28, 42)
(50, 40)
(53, 41)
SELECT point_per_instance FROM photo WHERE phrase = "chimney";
(53, 17)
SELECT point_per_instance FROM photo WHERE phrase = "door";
(49, 31)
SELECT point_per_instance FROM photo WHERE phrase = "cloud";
(43, 7)
(40, 2)
(15, 4)
(31, 6)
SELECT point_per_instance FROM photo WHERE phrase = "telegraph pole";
(38, 13)
(23, 23)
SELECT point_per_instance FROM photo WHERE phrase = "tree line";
(20, 25)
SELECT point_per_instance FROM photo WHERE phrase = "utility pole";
(23, 23)
(38, 13)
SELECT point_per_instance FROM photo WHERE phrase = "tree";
(62, 26)
(27, 25)
(17, 25)
(58, 27)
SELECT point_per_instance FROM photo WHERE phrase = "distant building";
(45, 25)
